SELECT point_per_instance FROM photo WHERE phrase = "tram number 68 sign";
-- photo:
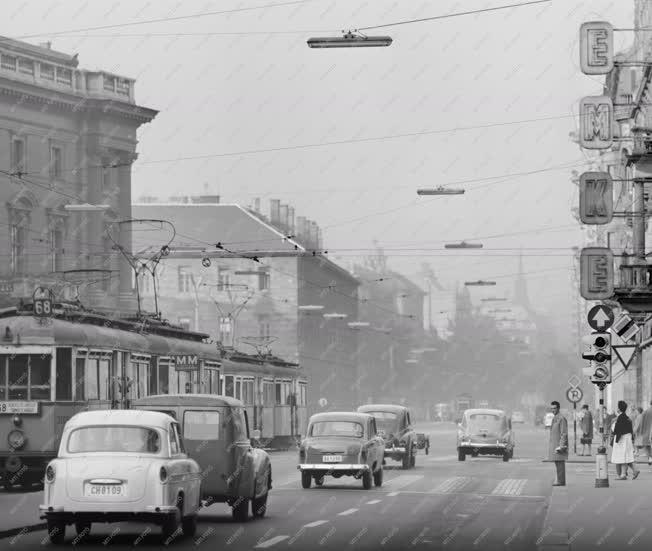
(574, 394)
(42, 300)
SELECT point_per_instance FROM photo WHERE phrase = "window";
(80, 379)
(8, 62)
(212, 378)
(283, 392)
(247, 392)
(184, 284)
(141, 376)
(18, 161)
(113, 438)
(25, 376)
(268, 393)
(64, 76)
(223, 279)
(56, 251)
(264, 327)
(106, 176)
(47, 71)
(56, 160)
(109, 83)
(25, 66)
(337, 428)
(3, 378)
(122, 86)
(176, 445)
(94, 372)
(164, 376)
(263, 279)
(39, 377)
(239, 424)
(302, 394)
(18, 377)
(385, 420)
(229, 386)
(17, 236)
(201, 425)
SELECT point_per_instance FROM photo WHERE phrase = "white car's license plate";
(332, 458)
(105, 490)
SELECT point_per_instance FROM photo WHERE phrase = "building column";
(94, 224)
(126, 295)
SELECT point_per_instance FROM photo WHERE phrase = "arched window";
(19, 221)
(56, 239)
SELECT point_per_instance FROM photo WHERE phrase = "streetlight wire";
(457, 14)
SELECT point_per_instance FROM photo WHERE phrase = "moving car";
(518, 417)
(121, 465)
(341, 444)
(485, 432)
(216, 431)
(394, 425)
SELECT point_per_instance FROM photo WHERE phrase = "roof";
(121, 417)
(340, 416)
(382, 407)
(175, 400)
(484, 410)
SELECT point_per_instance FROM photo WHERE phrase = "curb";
(555, 539)
(22, 530)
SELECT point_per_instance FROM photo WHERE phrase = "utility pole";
(638, 231)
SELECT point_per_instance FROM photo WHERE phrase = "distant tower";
(520, 287)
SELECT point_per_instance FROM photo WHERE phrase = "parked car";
(341, 444)
(216, 430)
(485, 432)
(395, 427)
(518, 417)
(121, 465)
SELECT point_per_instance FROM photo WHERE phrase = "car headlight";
(16, 439)
(50, 474)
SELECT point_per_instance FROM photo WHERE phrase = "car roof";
(484, 410)
(393, 408)
(176, 400)
(340, 416)
(129, 417)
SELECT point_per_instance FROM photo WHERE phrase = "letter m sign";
(596, 122)
(596, 198)
(185, 362)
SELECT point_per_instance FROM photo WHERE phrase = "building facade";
(67, 137)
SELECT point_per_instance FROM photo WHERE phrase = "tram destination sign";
(22, 407)
(185, 362)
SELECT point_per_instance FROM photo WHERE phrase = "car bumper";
(333, 467)
(484, 447)
(151, 513)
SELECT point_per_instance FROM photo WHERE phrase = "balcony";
(641, 145)
(634, 288)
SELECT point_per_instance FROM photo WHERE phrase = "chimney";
(274, 208)
(283, 218)
(257, 204)
(313, 229)
(205, 199)
(291, 228)
(320, 239)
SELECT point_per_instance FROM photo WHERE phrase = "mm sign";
(596, 47)
(596, 273)
(596, 198)
(596, 122)
(185, 362)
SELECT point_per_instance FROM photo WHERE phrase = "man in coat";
(586, 424)
(558, 445)
(644, 429)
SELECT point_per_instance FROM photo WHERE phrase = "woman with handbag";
(622, 453)
(586, 424)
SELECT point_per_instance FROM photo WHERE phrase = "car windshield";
(385, 420)
(114, 439)
(337, 428)
(486, 421)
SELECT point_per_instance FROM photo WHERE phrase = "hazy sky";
(221, 94)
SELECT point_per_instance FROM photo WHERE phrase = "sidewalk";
(582, 517)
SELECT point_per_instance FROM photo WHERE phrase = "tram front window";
(18, 376)
(27, 377)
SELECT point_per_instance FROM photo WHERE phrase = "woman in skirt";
(622, 453)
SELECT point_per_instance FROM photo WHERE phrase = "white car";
(121, 465)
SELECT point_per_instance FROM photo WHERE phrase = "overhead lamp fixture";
(355, 324)
(351, 39)
(86, 207)
(440, 191)
(479, 283)
(335, 315)
(463, 245)
(310, 307)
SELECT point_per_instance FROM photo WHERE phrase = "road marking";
(403, 480)
(316, 523)
(347, 512)
(510, 487)
(392, 494)
(373, 501)
(270, 542)
(451, 485)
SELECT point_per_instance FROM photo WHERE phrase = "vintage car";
(423, 442)
(341, 444)
(216, 432)
(395, 426)
(485, 432)
(121, 465)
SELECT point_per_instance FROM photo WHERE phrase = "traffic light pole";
(603, 433)
(638, 234)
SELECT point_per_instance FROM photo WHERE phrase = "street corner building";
(67, 139)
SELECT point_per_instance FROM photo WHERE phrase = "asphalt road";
(482, 503)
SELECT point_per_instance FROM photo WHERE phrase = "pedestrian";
(638, 437)
(622, 453)
(645, 431)
(586, 424)
(558, 445)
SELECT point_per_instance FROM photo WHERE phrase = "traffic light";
(599, 352)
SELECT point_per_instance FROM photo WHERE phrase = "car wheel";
(366, 480)
(306, 480)
(259, 506)
(461, 456)
(56, 532)
(378, 478)
(474, 454)
(413, 460)
(240, 509)
(171, 525)
(319, 481)
(506, 457)
(407, 460)
(189, 525)
(83, 529)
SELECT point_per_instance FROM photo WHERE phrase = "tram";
(80, 360)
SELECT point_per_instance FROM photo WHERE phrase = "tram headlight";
(17, 420)
(16, 439)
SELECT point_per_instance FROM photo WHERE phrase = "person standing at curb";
(644, 430)
(558, 445)
(586, 424)
(622, 453)
(636, 424)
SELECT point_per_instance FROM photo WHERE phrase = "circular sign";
(574, 394)
(600, 317)
(323, 402)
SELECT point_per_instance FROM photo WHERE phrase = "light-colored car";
(485, 432)
(121, 465)
(341, 444)
(518, 417)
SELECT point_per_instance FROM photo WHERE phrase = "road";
(482, 503)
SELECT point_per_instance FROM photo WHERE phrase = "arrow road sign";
(600, 317)
(625, 327)
(574, 394)
(625, 353)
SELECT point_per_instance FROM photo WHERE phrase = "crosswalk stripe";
(402, 481)
(373, 502)
(271, 542)
(510, 487)
(451, 485)
(316, 523)
(347, 512)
